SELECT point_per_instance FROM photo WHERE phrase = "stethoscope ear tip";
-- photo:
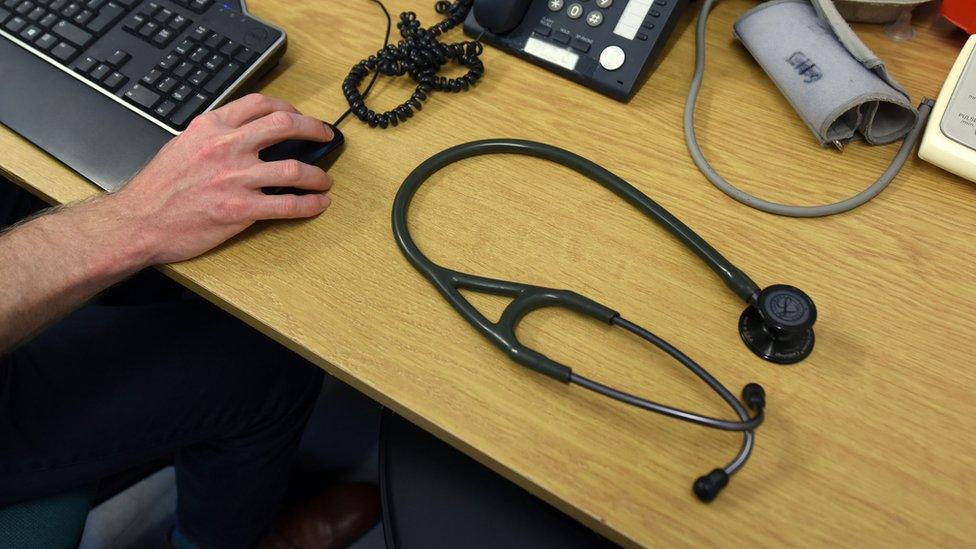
(707, 487)
(778, 324)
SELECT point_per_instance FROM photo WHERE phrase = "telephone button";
(561, 37)
(612, 58)
(580, 45)
(555, 5)
(575, 11)
(604, 3)
(594, 18)
(542, 29)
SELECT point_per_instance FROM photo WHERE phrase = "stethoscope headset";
(777, 324)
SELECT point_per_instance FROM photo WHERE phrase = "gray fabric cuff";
(835, 83)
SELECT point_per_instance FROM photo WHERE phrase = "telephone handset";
(607, 45)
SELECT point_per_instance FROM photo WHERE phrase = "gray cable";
(924, 109)
(745, 425)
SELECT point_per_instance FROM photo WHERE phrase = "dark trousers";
(126, 380)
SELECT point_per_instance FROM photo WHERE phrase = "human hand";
(205, 185)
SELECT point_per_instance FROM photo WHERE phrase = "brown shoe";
(331, 520)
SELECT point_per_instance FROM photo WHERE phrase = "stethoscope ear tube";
(783, 311)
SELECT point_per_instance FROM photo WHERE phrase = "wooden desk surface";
(869, 441)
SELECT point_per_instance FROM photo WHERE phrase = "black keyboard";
(167, 60)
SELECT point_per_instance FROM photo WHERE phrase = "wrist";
(121, 242)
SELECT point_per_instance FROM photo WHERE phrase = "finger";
(280, 126)
(288, 173)
(290, 206)
(251, 107)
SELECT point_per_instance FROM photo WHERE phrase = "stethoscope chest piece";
(778, 324)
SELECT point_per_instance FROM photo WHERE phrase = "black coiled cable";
(419, 54)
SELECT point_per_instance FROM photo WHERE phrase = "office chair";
(54, 522)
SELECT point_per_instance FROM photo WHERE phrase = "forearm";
(52, 264)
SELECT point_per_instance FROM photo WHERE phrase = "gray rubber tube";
(691, 140)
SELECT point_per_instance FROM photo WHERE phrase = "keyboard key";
(48, 20)
(194, 105)
(165, 108)
(246, 55)
(168, 62)
(31, 33)
(199, 55)
(214, 41)
(222, 78)
(214, 62)
(16, 24)
(4, 15)
(163, 37)
(144, 97)
(182, 93)
(183, 70)
(58, 5)
(24, 7)
(36, 14)
(198, 78)
(163, 16)
(95, 5)
(46, 41)
(64, 52)
(200, 33)
(133, 22)
(128, 3)
(83, 17)
(152, 77)
(99, 72)
(11, 4)
(200, 6)
(71, 33)
(118, 58)
(148, 29)
(72, 10)
(86, 64)
(179, 23)
(115, 81)
(167, 84)
(229, 48)
(151, 8)
(106, 18)
(184, 48)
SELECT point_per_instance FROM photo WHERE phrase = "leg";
(110, 387)
(15, 203)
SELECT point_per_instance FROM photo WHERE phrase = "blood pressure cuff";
(835, 83)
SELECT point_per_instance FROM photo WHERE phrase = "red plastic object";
(962, 13)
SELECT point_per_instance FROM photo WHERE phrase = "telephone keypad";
(608, 45)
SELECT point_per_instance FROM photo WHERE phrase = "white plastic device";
(950, 135)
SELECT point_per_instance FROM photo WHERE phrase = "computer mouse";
(309, 152)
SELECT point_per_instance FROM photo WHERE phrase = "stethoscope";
(777, 325)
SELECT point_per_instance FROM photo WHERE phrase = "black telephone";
(608, 45)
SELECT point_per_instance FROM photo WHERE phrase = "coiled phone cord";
(420, 54)
(907, 146)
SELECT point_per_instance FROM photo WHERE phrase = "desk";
(869, 441)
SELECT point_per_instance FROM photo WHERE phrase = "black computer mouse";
(309, 152)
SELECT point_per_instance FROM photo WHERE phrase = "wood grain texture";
(869, 442)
